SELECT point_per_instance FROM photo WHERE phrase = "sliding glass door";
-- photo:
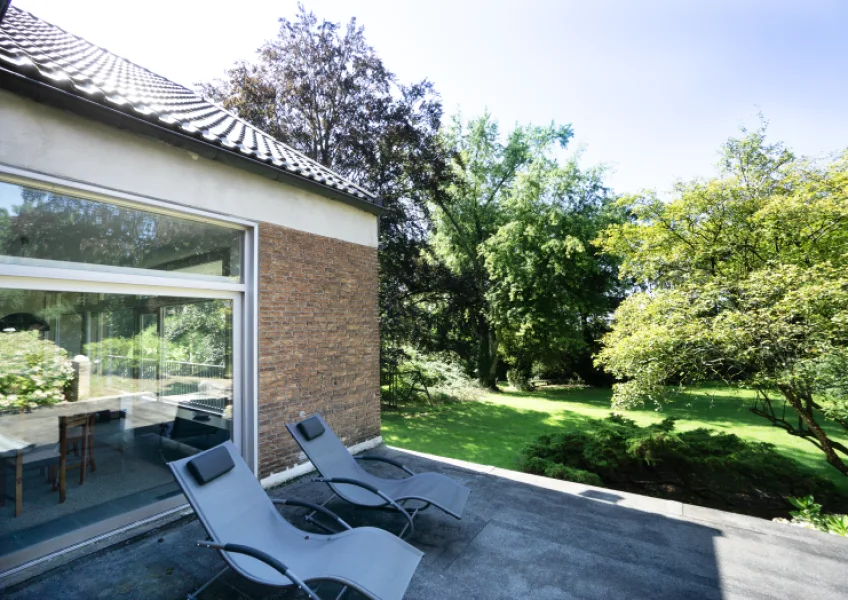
(104, 380)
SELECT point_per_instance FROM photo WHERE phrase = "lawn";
(494, 429)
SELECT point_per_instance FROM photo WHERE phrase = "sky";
(652, 88)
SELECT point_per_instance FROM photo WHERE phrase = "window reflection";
(42, 225)
(97, 393)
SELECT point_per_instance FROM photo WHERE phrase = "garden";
(715, 452)
(710, 315)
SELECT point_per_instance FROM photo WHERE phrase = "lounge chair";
(354, 484)
(255, 540)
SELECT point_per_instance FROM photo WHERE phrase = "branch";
(463, 242)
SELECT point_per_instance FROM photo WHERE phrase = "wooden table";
(13, 447)
(44, 430)
(40, 432)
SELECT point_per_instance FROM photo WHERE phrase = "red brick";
(319, 339)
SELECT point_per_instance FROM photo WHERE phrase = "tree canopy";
(322, 89)
(515, 226)
(451, 279)
(741, 278)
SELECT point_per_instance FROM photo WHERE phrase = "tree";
(551, 290)
(743, 279)
(513, 226)
(320, 88)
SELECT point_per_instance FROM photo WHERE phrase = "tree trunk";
(487, 356)
(805, 413)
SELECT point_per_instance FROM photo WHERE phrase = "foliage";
(493, 430)
(196, 332)
(810, 516)
(47, 225)
(700, 466)
(442, 376)
(319, 87)
(742, 279)
(199, 332)
(543, 466)
(519, 379)
(513, 228)
(33, 371)
(551, 289)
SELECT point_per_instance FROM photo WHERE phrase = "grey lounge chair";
(351, 482)
(258, 543)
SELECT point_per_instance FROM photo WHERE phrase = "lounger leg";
(408, 524)
(310, 518)
(207, 584)
(318, 524)
(341, 593)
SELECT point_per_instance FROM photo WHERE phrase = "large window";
(103, 383)
(43, 225)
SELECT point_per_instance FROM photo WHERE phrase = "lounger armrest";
(389, 461)
(373, 490)
(264, 557)
(321, 509)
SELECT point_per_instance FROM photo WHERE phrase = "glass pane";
(36, 224)
(97, 393)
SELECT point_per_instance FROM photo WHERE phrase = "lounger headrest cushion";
(311, 428)
(211, 464)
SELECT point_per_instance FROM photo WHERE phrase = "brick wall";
(319, 340)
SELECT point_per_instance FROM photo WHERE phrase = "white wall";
(58, 143)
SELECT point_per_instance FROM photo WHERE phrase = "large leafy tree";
(319, 87)
(743, 279)
(514, 226)
(551, 289)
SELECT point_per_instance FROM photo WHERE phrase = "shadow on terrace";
(521, 537)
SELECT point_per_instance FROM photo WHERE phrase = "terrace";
(522, 537)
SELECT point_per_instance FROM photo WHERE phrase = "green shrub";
(549, 468)
(520, 380)
(391, 395)
(33, 371)
(699, 466)
(444, 378)
(810, 515)
(577, 475)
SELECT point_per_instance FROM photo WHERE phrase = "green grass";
(495, 429)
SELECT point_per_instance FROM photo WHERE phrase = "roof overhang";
(4, 6)
(53, 96)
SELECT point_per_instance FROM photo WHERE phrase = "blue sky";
(652, 88)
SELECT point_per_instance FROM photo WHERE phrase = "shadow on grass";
(481, 432)
(495, 430)
(713, 405)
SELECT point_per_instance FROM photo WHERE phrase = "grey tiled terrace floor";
(521, 537)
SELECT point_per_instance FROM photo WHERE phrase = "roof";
(83, 76)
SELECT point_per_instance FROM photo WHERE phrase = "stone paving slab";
(521, 537)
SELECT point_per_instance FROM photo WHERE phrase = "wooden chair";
(76, 434)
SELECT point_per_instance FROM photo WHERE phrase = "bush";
(700, 466)
(444, 378)
(810, 516)
(548, 468)
(519, 379)
(33, 372)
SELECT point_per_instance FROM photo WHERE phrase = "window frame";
(79, 277)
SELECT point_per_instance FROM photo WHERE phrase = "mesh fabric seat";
(237, 513)
(354, 484)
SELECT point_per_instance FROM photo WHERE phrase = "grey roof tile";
(41, 51)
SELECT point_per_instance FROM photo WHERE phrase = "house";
(170, 277)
